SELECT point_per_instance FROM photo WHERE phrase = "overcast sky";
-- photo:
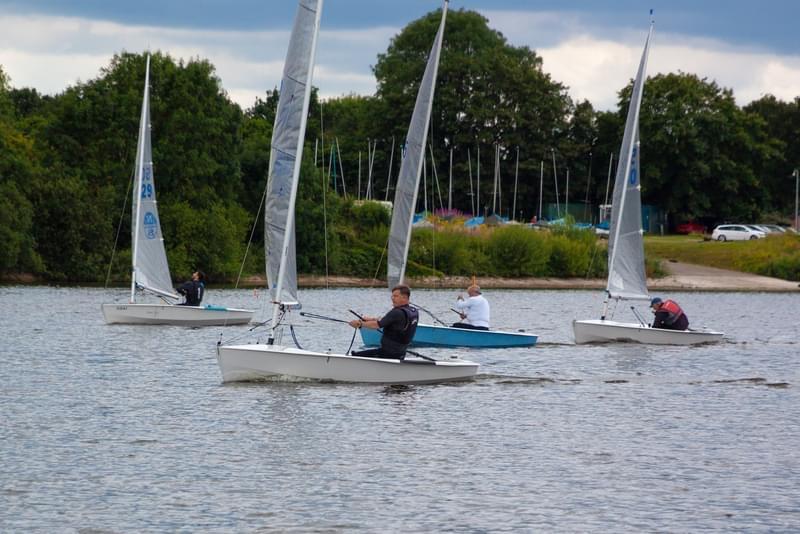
(591, 46)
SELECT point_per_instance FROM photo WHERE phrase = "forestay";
(626, 272)
(287, 139)
(408, 180)
(150, 267)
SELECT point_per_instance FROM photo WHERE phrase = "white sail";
(150, 267)
(287, 152)
(405, 199)
(626, 271)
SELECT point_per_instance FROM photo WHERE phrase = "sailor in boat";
(193, 289)
(474, 310)
(398, 326)
(668, 315)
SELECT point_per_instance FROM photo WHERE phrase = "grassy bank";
(777, 255)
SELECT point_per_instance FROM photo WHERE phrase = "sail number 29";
(147, 190)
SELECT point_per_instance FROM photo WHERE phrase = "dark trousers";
(377, 353)
(469, 326)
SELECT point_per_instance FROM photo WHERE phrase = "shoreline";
(680, 277)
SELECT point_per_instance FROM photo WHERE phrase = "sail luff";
(137, 188)
(407, 186)
(626, 273)
(286, 154)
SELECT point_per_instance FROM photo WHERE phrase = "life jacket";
(673, 310)
(398, 338)
(193, 290)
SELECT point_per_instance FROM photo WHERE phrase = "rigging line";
(244, 334)
(252, 233)
(380, 261)
(591, 261)
(323, 317)
(435, 177)
(324, 197)
(119, 227)
(294, 337)
(352, 340)
(430, 313)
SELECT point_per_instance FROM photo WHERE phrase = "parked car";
(735, 232)
(759, 228)
(690, 228)
(774, 228)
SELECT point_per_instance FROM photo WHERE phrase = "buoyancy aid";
(672, 308)
(406, 334)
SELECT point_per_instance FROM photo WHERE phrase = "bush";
(517, 251)
(370, 214)
(785, 267)
(568, 257)
(443, 251)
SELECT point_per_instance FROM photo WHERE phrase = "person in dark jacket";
(668, 315)
(398, 326)
(193, 290)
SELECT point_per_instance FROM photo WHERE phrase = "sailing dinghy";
(150, 270)
(626, 271)
(405, 201)
(271, 360)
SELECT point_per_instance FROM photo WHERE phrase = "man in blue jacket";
(193, 289)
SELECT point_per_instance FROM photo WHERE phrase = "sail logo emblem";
(150, 225)
(632, 178)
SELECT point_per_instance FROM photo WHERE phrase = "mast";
(541, 182)
(608, 181)
(555, 181)
(478, 180)
(496, 185)
(450, 187)
(628, 280)
(341, 167)
(304, 9)
(471, 193)
(408, 180)
(389, 176)
(137, 190)
(629, 143)
(516, 179)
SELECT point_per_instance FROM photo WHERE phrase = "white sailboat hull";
(599, 331)
(274, 362)
(175, 315)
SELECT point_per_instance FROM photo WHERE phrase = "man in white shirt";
(474, 310)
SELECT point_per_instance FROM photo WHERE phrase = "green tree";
(699, 150)
(488, 92)
(87, 142)
(783, 125)
(18, 168)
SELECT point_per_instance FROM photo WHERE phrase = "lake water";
(112, 428)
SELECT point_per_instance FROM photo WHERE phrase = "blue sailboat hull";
(446, 336)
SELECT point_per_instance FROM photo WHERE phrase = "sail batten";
(627, 278)
(408, 180)
(149, 258)
(286, 154)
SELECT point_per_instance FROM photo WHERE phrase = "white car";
(759, 228)
(736, 232)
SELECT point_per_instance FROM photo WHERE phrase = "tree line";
(66, 161)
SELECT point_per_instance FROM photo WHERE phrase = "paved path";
(686, 276)
(681, 277)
